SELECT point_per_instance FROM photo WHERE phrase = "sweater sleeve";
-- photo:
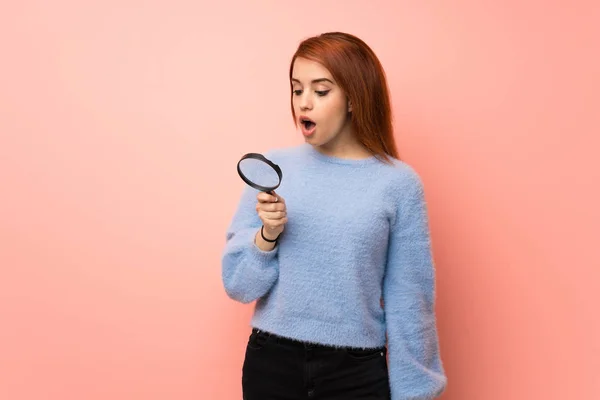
(248, 272)
(415, 366)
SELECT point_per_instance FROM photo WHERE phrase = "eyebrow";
(316, 80)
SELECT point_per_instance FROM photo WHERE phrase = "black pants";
(281, 369)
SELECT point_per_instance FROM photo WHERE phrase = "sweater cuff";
(258, 254)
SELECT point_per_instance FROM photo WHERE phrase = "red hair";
(358, 72)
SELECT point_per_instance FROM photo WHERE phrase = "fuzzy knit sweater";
(357, 233)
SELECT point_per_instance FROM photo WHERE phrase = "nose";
(305, 102)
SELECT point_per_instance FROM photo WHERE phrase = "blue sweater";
(357, 233)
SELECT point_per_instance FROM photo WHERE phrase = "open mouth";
(308, 123)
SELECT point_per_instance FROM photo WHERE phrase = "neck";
(344, 145)
(346, 150)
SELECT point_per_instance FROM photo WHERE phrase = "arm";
(415, 366)
(249, 264)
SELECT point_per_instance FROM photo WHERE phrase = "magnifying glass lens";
(259, 172)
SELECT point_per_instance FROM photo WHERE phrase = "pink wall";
(120, 126)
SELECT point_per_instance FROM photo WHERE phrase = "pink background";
(120, 126)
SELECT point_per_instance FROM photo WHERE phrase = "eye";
(321, 92)
(297, 92)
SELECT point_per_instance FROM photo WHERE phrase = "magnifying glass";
(259, 172)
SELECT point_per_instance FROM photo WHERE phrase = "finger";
(282, 221)
(266, 198)
(270, 207)
(278, 198)
(266, 215)
(277, 223)
(275, 196)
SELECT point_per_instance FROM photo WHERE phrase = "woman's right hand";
(272, 211)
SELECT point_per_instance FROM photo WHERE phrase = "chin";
(309, 139)
(313, 141)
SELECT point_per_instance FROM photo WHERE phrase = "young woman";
(339, 258)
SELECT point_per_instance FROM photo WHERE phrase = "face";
(321, 107)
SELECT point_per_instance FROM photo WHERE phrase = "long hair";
(359, 73)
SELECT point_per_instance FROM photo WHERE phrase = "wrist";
(266, 237)
(262, 244)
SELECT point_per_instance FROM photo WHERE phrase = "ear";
(349, 106)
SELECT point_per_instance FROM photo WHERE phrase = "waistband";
(302, 344)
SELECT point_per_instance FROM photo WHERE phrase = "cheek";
(336, 116)
(334, 110)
